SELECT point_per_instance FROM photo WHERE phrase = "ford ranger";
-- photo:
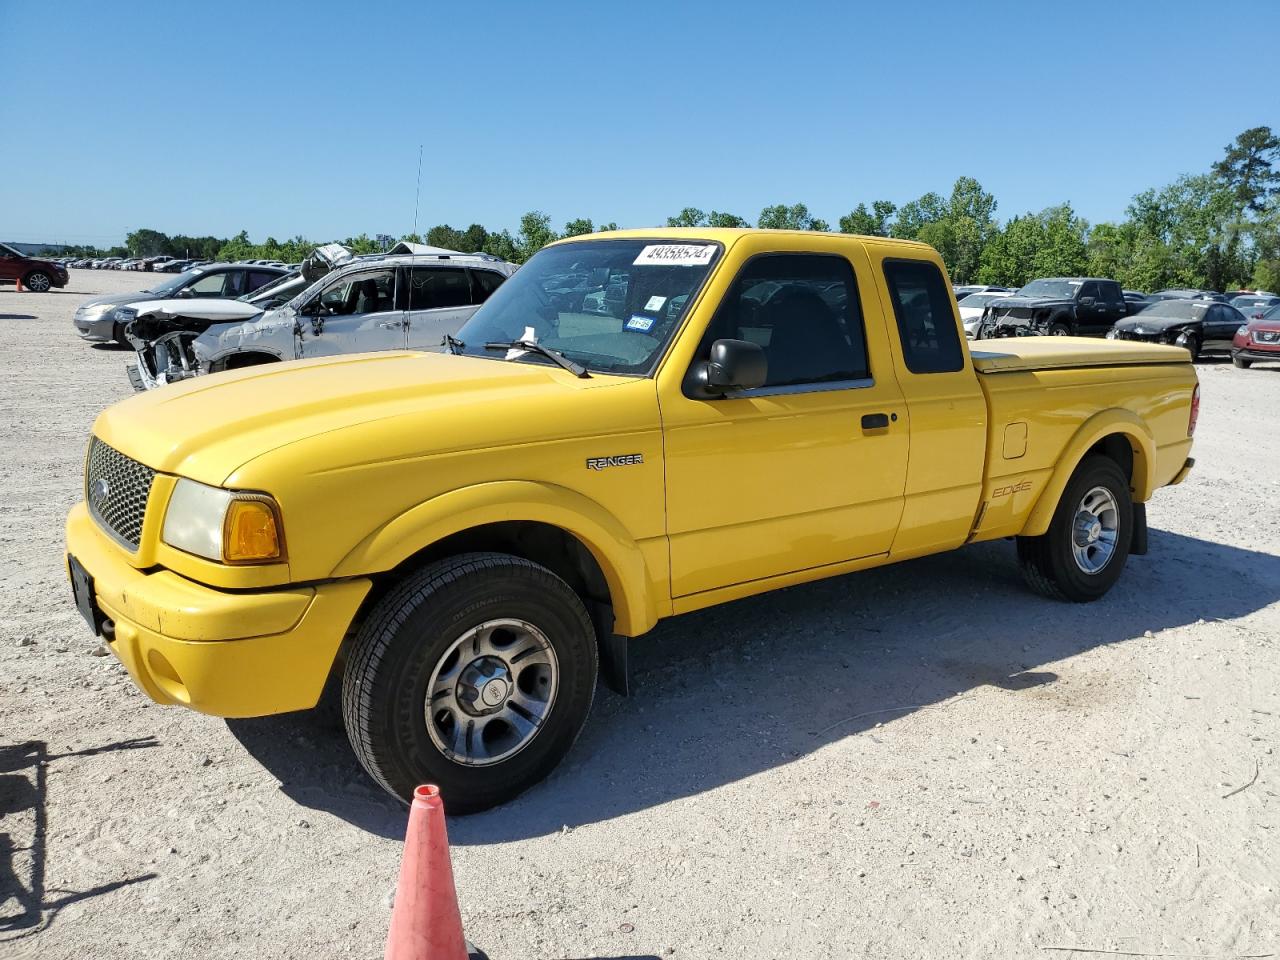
(636, 425)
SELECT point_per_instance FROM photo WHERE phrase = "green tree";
(915, 214)
(1048, 244)
(869, 223)
(1246, 169)
(577, 228)
(794, 217)
(728, 221)
(502, 245)
(535, 233)
(688, 217)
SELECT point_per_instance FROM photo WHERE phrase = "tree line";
(1218, 229)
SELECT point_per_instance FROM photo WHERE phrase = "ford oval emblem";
(99, 490)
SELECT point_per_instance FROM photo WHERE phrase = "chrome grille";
(116, 489)
(1267, 336)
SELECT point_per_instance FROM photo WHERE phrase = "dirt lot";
(922, 761)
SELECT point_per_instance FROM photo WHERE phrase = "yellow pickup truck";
(636, 425)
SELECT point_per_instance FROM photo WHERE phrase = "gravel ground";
(921, 761)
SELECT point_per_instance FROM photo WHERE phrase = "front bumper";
(230, 654)
(99, 329)
(1257, 352)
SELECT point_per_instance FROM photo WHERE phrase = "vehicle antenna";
(418, 192)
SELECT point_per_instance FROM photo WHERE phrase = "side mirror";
(185, 293)
(1086, 301)
(734, 365)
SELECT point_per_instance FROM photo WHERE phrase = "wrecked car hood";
(356, 411)
(217, 309)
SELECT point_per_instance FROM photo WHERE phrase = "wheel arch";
(568, 533)
(243, 358)
(1118, 434)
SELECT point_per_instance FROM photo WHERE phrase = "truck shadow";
(727, 693)
(26, 906)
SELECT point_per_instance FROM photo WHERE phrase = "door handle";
(875, 421)
(391, 324)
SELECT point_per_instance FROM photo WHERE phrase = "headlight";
(223, 525)
(98, 309)
(1243, 331)
(124, 315)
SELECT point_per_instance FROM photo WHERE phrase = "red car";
(36, 275)
(1257, 340)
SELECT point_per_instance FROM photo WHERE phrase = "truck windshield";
(1064, 289)
(610, 305)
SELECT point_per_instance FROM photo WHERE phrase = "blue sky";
(306, 118)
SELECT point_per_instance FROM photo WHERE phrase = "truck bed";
(1015, 354)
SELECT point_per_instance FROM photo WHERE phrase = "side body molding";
(1102, 424)
(638, 592)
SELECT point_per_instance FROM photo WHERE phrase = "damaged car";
(102, 320)
(362, 305)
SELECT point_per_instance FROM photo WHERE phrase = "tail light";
(1195, 411)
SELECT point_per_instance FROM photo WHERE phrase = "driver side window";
(210, 285)
(365, 293)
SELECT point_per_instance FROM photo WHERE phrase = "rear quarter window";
(926, 323)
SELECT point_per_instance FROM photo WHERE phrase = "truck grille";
(116, 489)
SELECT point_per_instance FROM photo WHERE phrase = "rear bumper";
(1182, 474)
(231, 654)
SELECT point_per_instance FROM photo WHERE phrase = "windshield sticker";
(641, 323)
(655, 304)
(675, 255)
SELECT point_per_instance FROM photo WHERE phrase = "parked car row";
(1198, 320)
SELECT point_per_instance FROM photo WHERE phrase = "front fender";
(633, 587)
(1100, 425)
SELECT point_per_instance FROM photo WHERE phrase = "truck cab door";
(807, 470)
(439, 302)
(355, 313)
(1090, 310)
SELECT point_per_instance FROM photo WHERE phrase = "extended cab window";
(432, 288)
(803, 310)
(926, 323)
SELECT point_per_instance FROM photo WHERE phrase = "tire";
(37, 281)
(426, 628)
(1059, 329)
(1049, 563)
(1191, 343)
(1241, 362)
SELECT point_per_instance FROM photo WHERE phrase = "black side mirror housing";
(734, 365)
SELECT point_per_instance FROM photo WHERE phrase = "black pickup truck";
(1059, 307)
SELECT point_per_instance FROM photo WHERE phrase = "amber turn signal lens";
(251, 532)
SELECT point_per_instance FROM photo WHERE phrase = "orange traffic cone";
(425, 922)
(18, 285)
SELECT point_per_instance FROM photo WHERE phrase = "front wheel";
(1059, 330)
(37, 282)
(1191, 343)
(476, 674)
(1241, 362)
(1080, 557)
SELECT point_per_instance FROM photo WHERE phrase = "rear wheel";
(476, 674)
(1080, 557)
(37, 281)
(1241, 362)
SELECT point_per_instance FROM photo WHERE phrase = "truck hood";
(218, 310)
(1146, 323)
(1022, 354)
(1008, 303)
(209, 427)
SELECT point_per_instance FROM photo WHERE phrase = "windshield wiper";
(577, 369)
(453, 344)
